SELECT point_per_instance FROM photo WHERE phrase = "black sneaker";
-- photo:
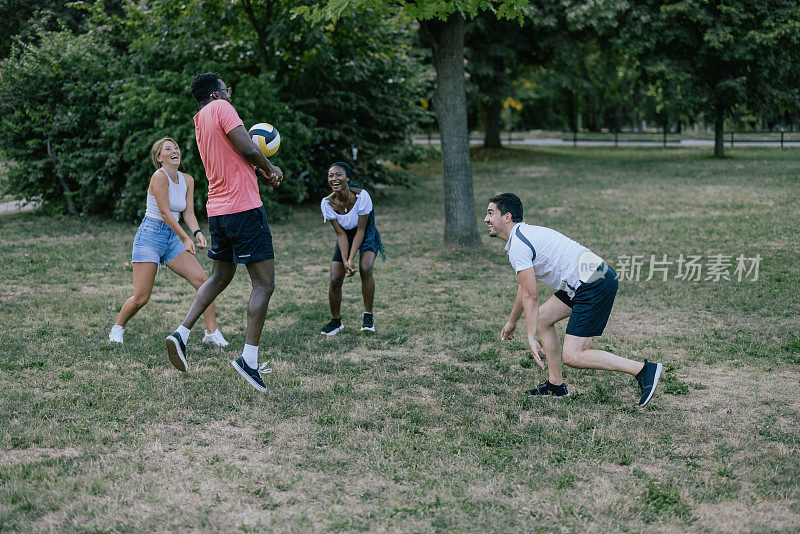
(333, 327)
(176, 349)
(648, 380)
(253, 376)
(546, 388)
(368, 323)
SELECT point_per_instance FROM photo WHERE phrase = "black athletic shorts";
(591, 305)
(242, 237)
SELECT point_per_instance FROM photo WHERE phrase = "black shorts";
(242, 237)
(372, 239)
(591, 305)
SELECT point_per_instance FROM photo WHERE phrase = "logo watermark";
(591, 267)
(690, 268)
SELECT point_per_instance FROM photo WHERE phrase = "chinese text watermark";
(692, 268)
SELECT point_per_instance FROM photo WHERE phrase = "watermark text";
(690, 268)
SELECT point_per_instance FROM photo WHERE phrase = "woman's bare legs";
(144, 276)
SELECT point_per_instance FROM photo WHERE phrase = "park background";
(423, 427)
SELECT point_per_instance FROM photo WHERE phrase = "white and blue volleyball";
(267, 138)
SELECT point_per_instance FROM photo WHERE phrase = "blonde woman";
(160, 239)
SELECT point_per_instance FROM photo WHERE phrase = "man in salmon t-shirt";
(236, 218)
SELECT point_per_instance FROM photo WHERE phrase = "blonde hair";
(156, 150)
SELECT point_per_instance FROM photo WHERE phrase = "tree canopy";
(89, 86)
(85, 107)
(721, 55)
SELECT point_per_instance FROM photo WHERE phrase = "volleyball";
(267, 138)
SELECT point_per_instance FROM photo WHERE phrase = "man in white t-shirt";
(585, 289)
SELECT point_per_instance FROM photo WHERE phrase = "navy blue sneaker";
(176, 349)
(253, 376)
(368, 323)
(648, 380)
(333, 327)
(547, 389)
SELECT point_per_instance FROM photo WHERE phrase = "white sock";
(184, 333)
(250, 355)
(117, 327)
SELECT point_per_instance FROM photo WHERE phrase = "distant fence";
(643, 139)
(665, 139)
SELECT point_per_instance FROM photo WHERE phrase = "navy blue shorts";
(242, 237)
(372, 239)
(591, 305)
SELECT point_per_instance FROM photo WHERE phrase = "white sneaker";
(116, 333)
(215, 337)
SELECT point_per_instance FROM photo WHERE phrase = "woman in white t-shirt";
(349, 210)
(160, 240)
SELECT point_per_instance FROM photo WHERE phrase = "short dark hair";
(508, 203)
(203, 85)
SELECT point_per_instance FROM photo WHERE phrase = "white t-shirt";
(349, 220)
(557, 260)
(177, 199)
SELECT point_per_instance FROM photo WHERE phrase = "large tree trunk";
(719, 131)
(446, 39)
(491, 137)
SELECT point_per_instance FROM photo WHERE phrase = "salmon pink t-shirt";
(232, 182)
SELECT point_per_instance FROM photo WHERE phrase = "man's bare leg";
(221, 275)
(551, 312)
(262, 275)
(577, 354)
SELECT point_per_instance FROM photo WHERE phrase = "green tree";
(733, 53)
(357, 77)
(23, 19)
(498, 52)
(589, 65)
(441, 25)
(54, 94)
(80, 111)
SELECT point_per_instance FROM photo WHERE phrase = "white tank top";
(177, 199)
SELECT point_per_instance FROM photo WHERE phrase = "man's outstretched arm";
(530, 303)
(516, 312)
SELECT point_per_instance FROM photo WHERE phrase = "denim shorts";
(155, 242)
(372, 240)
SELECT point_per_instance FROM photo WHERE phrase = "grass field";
(423, 426)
